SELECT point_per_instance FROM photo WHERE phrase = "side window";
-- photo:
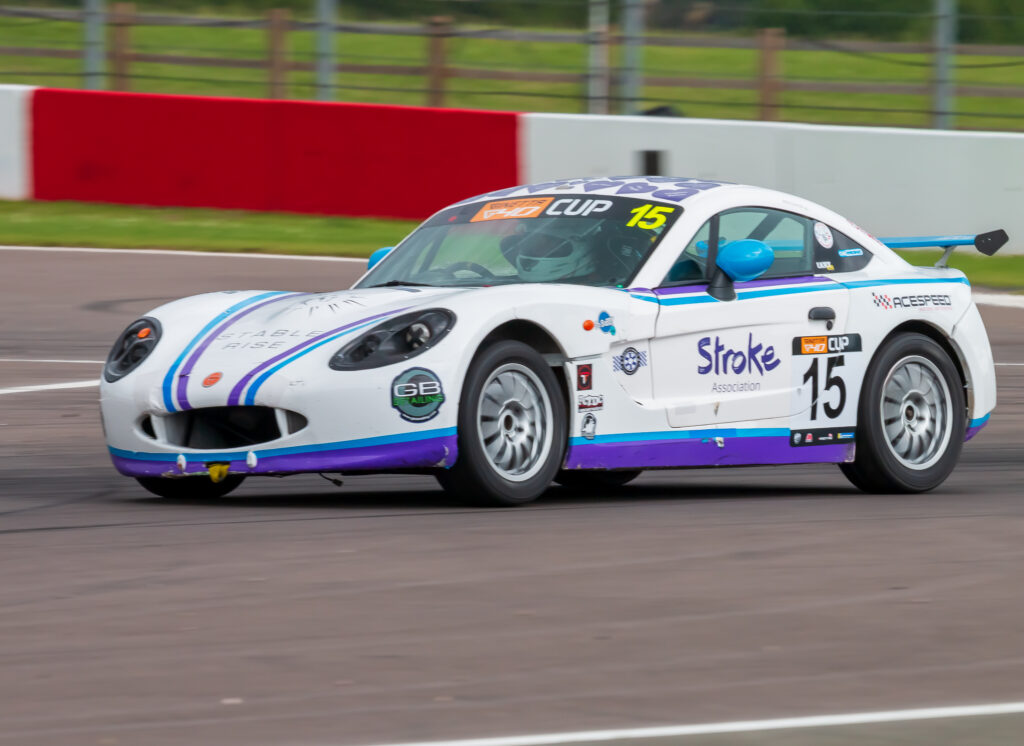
(690, 266)
(837, 252)
(789, 235)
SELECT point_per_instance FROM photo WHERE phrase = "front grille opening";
(147, 426)
(295, 421)
(222, 427)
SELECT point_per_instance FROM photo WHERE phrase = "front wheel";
(190, 488)
(511, 426)
(911, 419)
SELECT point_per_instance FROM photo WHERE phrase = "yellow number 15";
(649, 216)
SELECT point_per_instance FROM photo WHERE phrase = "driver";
(556, 253)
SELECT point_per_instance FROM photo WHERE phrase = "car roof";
(663, 188)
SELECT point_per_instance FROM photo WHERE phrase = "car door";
(716, 362)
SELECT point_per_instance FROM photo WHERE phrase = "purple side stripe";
(190, 364)
(704, 452)
(236, 392)
(385, 457)
(686, 289)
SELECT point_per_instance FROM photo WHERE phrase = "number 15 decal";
(832, 381)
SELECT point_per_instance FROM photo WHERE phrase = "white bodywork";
(272, 350)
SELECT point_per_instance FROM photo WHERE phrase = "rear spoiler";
(987, 243)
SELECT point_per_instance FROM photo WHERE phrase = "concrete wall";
(889, 181)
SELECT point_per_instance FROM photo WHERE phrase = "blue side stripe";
(169, 378)
(746, 294)
(663, 435)
(293, 450)
(919, 281)
(250, 396)
(980, 421)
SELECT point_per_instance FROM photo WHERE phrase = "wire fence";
(690, 58)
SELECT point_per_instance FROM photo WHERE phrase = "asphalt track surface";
(294, 612)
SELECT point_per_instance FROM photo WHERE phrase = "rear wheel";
(191, 488)
(595, 480)
(911, 419)
(511, 428)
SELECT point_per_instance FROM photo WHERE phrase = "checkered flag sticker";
(882, 301)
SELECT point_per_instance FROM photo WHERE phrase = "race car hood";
(218, 348)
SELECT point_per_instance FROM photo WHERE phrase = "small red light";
(144, 332)
(588, 325)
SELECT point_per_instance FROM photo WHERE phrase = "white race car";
(575, 331)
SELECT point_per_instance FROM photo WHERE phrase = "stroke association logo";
(882, 301)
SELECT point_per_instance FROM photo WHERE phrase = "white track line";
(738, 726)
(44, 360)
(174, 252)
(999, 299)
(50, 387)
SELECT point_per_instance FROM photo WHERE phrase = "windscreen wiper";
(402, 283)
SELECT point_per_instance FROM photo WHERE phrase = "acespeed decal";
(169, 378)
(846, 253)
(417, 394)
(277, 362)
(528, 207)
(824, 344)
(937, 301)
(186, 371)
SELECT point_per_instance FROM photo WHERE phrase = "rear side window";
(837, 252)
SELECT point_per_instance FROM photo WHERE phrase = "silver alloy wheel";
(514, 422)
(916, 410)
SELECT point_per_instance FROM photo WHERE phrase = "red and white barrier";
(342, 159)
(15, 135)
(406, 162)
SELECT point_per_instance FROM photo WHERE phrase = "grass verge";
(126, 226)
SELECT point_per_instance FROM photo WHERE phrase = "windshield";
(573, 239)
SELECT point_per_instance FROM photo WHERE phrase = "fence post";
(943, 89)
(438, 30)
(597, 73)
(326, 10)
(93, 53)
(122, 17)
(769, 76)
(277, 59)
(633, 20)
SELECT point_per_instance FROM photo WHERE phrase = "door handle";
(823, 313)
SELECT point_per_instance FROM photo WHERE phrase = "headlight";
(131, 348)
(395, 340)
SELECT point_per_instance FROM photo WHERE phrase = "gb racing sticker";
(417, 394)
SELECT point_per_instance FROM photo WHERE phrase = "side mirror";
(739, 261)
(377, 256)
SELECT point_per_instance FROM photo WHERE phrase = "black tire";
(595, 480)
(190, 488)
(878, 467)
(475, 477)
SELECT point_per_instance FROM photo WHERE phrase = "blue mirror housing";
(746, 259)
(377, 256)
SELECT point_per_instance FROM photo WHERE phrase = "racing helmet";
(547, 256)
